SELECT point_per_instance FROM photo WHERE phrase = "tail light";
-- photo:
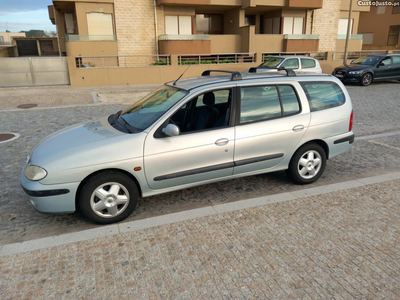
(351, 121)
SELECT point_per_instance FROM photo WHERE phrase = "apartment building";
(7, 38)
(150, 27)
(380, 28)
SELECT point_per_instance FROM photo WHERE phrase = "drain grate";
(7, 137)
(25, 106)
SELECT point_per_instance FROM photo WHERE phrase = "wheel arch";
(321, 143)
(105, 170)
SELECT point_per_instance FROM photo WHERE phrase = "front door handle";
(221, 142)
(298, 128)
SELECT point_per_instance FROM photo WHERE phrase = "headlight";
(35, 173)
(354, 72)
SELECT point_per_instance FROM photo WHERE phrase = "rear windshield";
(323, 95)
(271, 62)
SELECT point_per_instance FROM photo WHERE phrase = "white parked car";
(300, 64)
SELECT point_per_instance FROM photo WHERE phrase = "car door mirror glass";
(171, 130)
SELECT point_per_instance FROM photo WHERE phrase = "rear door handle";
(298, 128)
(221, 142)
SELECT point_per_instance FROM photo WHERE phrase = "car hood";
(83, 144)
(353, 67)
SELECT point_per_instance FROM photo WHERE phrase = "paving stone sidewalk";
(340, 245)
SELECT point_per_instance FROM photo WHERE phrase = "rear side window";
(307, 63)
(323, 95)
(396, 59)
(260, 103)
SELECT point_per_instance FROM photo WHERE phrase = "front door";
(384, 70)
(272, 123)
(202, 151)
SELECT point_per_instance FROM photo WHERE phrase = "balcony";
(300, 42)
(309, 4)
(89, 38)
(85, 45)
(187, 44)
(355, 42)
(183, 2)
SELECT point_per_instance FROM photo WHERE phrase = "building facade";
(380, 28)
(151, 27)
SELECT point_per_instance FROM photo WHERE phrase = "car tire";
(307, 164)
(108, 197)
(366, 79)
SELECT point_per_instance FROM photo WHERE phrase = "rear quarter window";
(323, 95)
(307, 63)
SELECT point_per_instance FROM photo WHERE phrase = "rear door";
(395, 70)
(271, 122)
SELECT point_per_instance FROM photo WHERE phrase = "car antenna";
(180, 76)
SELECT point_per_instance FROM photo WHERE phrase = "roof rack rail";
(235, 75)
(289, 72)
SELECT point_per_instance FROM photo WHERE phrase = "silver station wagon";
(191, 132)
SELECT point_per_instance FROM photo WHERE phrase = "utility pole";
(347, 35)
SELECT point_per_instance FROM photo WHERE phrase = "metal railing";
(2, 43)
(86, 38)
(338, 55)
(396, 51)
(125, 61)
(319, 55)
(216, 58)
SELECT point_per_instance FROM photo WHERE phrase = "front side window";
(149, 109)
(366, 60)
(307, 63)
(386, 61)
(291, 63)
(206, 111)
(259, 103)
(323, 95)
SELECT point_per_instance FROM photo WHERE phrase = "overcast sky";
(25, 15)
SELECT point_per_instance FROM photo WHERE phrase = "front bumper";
(351, 78)
(54, 198)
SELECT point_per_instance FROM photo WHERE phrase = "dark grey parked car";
(370, 68)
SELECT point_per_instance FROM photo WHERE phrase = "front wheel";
(366, 79)
(307, 164)
(108, 197)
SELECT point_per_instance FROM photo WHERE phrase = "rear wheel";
(366, 79)
(108, 197)
(307, 164)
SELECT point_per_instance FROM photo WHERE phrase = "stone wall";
(325, 23)
(134, 20)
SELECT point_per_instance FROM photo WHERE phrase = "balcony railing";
(352, 36)
(338, 55)
(125, 61)
(184, 37)
(87, 38)
(301, 36)
(320, 55)
(219, 58)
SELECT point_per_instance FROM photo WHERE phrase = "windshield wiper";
(125, 124)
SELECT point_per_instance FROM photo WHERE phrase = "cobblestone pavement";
(341, 245)
(21, 222)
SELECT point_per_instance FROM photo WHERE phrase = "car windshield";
(146, 111)
(271, 62)
(366, 60)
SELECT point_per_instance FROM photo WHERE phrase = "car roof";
(195, 82)
(382, 54)
(290, 56)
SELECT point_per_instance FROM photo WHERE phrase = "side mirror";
(381, 64)
(171, 130)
